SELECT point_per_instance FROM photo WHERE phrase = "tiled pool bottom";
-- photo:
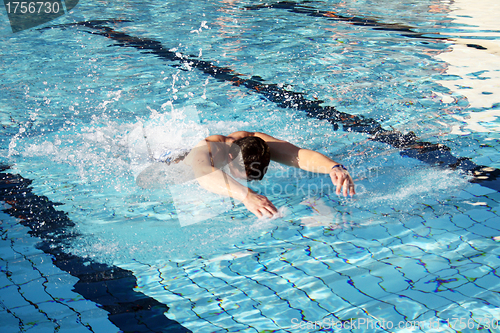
(438, 265)
(46, 296)
(36, 295)
(385, 266)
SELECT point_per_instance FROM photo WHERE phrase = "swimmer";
(247, 156)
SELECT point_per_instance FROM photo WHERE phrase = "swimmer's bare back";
(178, 158)
(156, 175)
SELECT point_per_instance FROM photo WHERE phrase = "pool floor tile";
(493, 196)
(396, 229)
(55, 310)
(26, 246)
(208, 307)
(23, 271)
(378, 253)
(11, 297)
(462, 221)
(493, 223)
(226, 322)
(42, 327)
(409, 267)
(375, 232)
(236, 307)
(489, 282)
(453, 296)
(343, 289)
(309, 308)
(487, 260)
(470, 290)
(406, 306)
(483, 230)
(393, 282)
(72, 324)
(473, 270)
(478, 190)
(82, 305)
(326, 297)
(45, 266)
(9, 322)
(201, 326)
(425, 285)
(408, 249)
(369, 285)
(34, 291)
(98, 320)
(4, 280)
(383, 310)
(61, 286)
(434, 263)
(479, 215)
(270, 306)
(430, 299)
(321, 251)
(30, 316)
(491, 298)
(258, 322)
(351, 313)
(258, 293)
(185, 290)
(180, 310)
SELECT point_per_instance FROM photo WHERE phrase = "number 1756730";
(32, 7)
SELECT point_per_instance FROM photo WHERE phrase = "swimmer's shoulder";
(238, 135)
(243, 134)
(229, 138)
(215, 138)
(203, 150)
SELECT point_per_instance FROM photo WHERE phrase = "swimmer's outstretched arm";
(309, 160)
(218, 182)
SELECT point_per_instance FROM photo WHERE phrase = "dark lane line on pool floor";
(300, 8)
(402, 29)
(408, 144)
(111, 287)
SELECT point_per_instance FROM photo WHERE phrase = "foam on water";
(415, 187)
(93, 170)
(123, 222)
(104, 147)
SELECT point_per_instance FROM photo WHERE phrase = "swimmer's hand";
(259, 205)
(343, 181)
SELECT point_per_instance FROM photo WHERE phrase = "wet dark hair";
(256, 156)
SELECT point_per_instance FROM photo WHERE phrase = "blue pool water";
(83, 105)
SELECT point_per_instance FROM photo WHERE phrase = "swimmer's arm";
(218, 182)
(221, 183)
(286, 153)
(316, 162)
(211, 178)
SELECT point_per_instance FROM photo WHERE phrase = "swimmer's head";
(256, 157)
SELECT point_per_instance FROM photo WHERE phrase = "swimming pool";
(84, 97)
